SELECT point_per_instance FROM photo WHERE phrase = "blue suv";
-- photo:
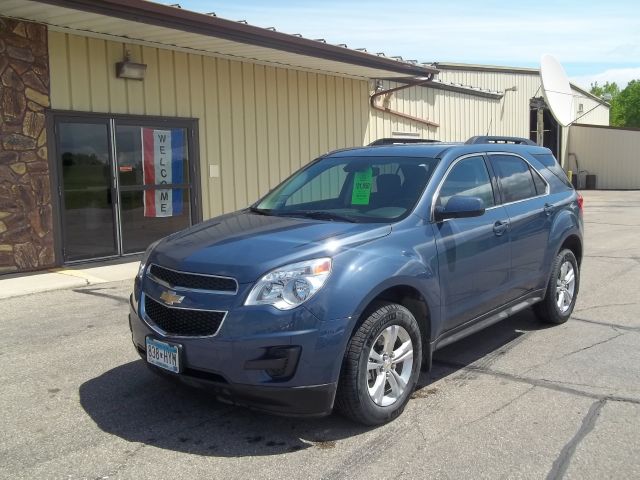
(336, 288)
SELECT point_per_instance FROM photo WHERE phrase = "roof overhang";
(162, 26)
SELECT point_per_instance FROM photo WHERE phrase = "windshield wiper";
(260, 211)
(320, 215)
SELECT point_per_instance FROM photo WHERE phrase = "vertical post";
(540, 126)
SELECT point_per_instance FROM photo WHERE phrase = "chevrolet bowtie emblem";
(171, 298)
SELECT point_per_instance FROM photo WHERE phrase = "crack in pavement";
(453, 430)
(606, 324)
(605, 306)
(543, 383)
(553, 359)
(561, 464)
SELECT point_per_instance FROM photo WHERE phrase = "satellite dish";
(556, 89)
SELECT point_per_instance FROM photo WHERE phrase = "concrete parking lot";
(519, 400)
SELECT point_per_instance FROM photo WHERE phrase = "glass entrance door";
(88, 213)
(124, 183)
(153, 180)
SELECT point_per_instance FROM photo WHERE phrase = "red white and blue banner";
(163, 164)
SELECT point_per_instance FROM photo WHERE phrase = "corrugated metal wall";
(461, 116)
(258, 123)
(612, 154)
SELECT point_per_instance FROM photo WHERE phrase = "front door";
(473, 253)
(123, 183)
(87, 191)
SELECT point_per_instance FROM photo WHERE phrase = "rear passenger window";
(469, 177)
(516, 181)
(541, 186)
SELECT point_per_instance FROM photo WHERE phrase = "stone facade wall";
(26, 223)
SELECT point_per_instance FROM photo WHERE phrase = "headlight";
(145, 258)
(289, 286)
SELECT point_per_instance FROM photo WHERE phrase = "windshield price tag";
(362, 187)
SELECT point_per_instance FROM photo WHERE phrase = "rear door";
(525, 197)
(473, 253)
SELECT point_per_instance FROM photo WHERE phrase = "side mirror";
(460, 206)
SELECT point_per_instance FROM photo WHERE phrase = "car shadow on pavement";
(132, 403)
(481, 350)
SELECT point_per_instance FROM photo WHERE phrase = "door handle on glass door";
(500, 227)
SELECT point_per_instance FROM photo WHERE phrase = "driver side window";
(469, 177)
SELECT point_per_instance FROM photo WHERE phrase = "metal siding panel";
(272, 127)
(283, 123)
(117, 87)
(250, 133)
(303, 118)
(340, 120)
(594, 147)
(135, 88)
(237, 135)
(98, 83)
(151, 81)
(323, 131)
(314, 131)
(214, 185)
(262, 133)
(197, 101)
(226, 136)
(167, 83)
(294, 123)
(181, 73)
(59, 71)
(79, 73)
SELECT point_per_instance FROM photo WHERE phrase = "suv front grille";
(193, 280)
(181, 321)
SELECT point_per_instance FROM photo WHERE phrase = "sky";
(594, 40)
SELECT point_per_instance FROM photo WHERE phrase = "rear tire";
(562, 289)
(381, 366)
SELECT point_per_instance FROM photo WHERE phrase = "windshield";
(352, 189)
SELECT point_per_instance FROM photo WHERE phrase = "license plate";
(163, 355)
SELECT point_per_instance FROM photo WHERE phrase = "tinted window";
(541, 186)
(515, 178)
(469, 177)
(552, 164)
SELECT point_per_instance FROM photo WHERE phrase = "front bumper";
(229, 365)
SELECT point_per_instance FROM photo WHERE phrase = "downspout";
(387, 94)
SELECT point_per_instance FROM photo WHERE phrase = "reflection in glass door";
(89, 228)
(124, 183)
(153, 178)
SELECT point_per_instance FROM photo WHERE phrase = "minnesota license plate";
(163, 355)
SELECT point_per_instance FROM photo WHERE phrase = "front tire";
(381, 366)
(562, 289)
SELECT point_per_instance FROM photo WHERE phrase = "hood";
(245, 245)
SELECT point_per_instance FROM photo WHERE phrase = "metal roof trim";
(188, 21)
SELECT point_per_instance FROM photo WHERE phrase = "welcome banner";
(163, 164)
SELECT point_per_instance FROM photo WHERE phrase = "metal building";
(96, 95)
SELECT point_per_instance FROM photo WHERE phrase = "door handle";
(549, 208)
(500, 227)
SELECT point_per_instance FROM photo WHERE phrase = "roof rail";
(495, 139)
(400, 141)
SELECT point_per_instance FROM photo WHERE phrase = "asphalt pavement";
(518, 400)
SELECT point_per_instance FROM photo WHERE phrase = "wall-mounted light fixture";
(129, 69)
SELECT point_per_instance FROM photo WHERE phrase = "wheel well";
(412, 300)
(572, 242)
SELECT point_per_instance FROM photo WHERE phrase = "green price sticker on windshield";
(362, 187)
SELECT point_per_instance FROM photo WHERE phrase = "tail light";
(580, 202)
